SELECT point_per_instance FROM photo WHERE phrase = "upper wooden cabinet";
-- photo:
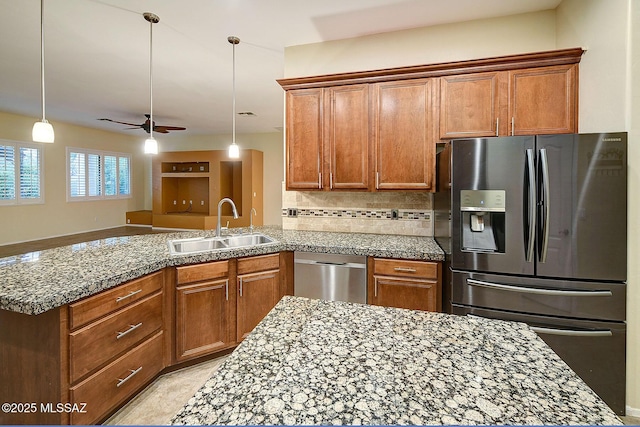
(336, 124)
(544, 100)
(304, 139)
(349, 148)
(404, 146)
(470, 105)
(529, 101)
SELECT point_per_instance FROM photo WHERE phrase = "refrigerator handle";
(531, 186)
(546, 209)
(572, 332)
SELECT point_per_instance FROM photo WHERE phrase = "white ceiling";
(97, 54)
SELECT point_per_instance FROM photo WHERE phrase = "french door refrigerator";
(539, 235)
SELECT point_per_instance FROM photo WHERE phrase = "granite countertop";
(40, 281)
(331, 363)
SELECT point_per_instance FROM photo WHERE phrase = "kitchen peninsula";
(336, 363)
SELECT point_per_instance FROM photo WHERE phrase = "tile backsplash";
(405, 213)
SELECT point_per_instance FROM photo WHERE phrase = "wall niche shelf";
(187, 186)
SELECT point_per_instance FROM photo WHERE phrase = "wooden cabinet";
(528, 101)
(404, 144)
(204, 308)
(544, 100)
(470, 105)
(328, 139)
(116, 345)
(350, 153)
(415, 285)
(259, 290)
(304, 138)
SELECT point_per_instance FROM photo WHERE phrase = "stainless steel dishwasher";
(330, 277)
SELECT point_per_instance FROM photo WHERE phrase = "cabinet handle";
(226, 289)
(497, 122)
(512, 126)
(240, 282)
(131, 329)
(377, 180)
(406, 269)
(320, 180)
(375, 287)
(129, 295)
(331, 180)
(128, 377)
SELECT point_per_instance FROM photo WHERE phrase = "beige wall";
(269, 143)
(609, 99)
(57, 216)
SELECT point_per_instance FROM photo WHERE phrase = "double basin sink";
(206, 244)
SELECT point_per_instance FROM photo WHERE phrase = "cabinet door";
(544, 100)
(414, 294)
(405, 149)
(203, 311)
(304, 139)
(258, 293)
(470, 105)
(348, 139)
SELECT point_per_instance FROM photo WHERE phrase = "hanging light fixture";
(151, 145)
(42, 130)
(234, 150)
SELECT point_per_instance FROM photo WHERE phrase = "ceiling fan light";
(42, 132)
(151, 146)
(234, 151)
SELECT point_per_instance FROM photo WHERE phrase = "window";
(20, 173)
(93, 175)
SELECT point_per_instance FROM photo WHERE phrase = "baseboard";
(632, 412)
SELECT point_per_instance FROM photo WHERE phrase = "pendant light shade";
(42, 130)
(234, 150)
(151, 145)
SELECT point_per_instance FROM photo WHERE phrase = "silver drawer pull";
(571, 332)
(131, 329)
(405, 269)
(525, 290)
(128, 377)
(128, 296)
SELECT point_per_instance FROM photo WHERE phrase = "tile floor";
(163, 398)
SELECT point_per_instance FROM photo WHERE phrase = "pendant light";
(42, 130)
(151, 145)
(234, 150)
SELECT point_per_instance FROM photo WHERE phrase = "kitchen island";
(331, 363)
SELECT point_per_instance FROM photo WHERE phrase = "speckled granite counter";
(40, 281)
(321, 362)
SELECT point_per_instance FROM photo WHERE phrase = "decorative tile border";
(403, 214)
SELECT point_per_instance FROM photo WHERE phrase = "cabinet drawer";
(90, 309)
(98, 342)
(200, 272)
(117, 381)
(258, 263)
(405, 268)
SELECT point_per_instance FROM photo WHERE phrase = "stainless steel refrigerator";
(539, 235)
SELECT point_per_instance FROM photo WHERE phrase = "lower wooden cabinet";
(203, 310)
(258, 284)
(415, 285)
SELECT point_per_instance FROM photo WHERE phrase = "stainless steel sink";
(206, 244)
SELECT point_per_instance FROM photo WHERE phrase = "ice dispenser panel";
(483, 220)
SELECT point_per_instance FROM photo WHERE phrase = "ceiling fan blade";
(122, 123)
(169, 127)
(160, 129)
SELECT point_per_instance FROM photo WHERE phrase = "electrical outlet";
(292, 212)
(184, 202)
(394, 214)
(175, 202)
(201, 202)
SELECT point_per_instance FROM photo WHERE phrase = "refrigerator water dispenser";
(483, 220)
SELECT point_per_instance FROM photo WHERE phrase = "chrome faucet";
(235, 212)
(251, 213)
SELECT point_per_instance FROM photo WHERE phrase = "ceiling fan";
(146, 125)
